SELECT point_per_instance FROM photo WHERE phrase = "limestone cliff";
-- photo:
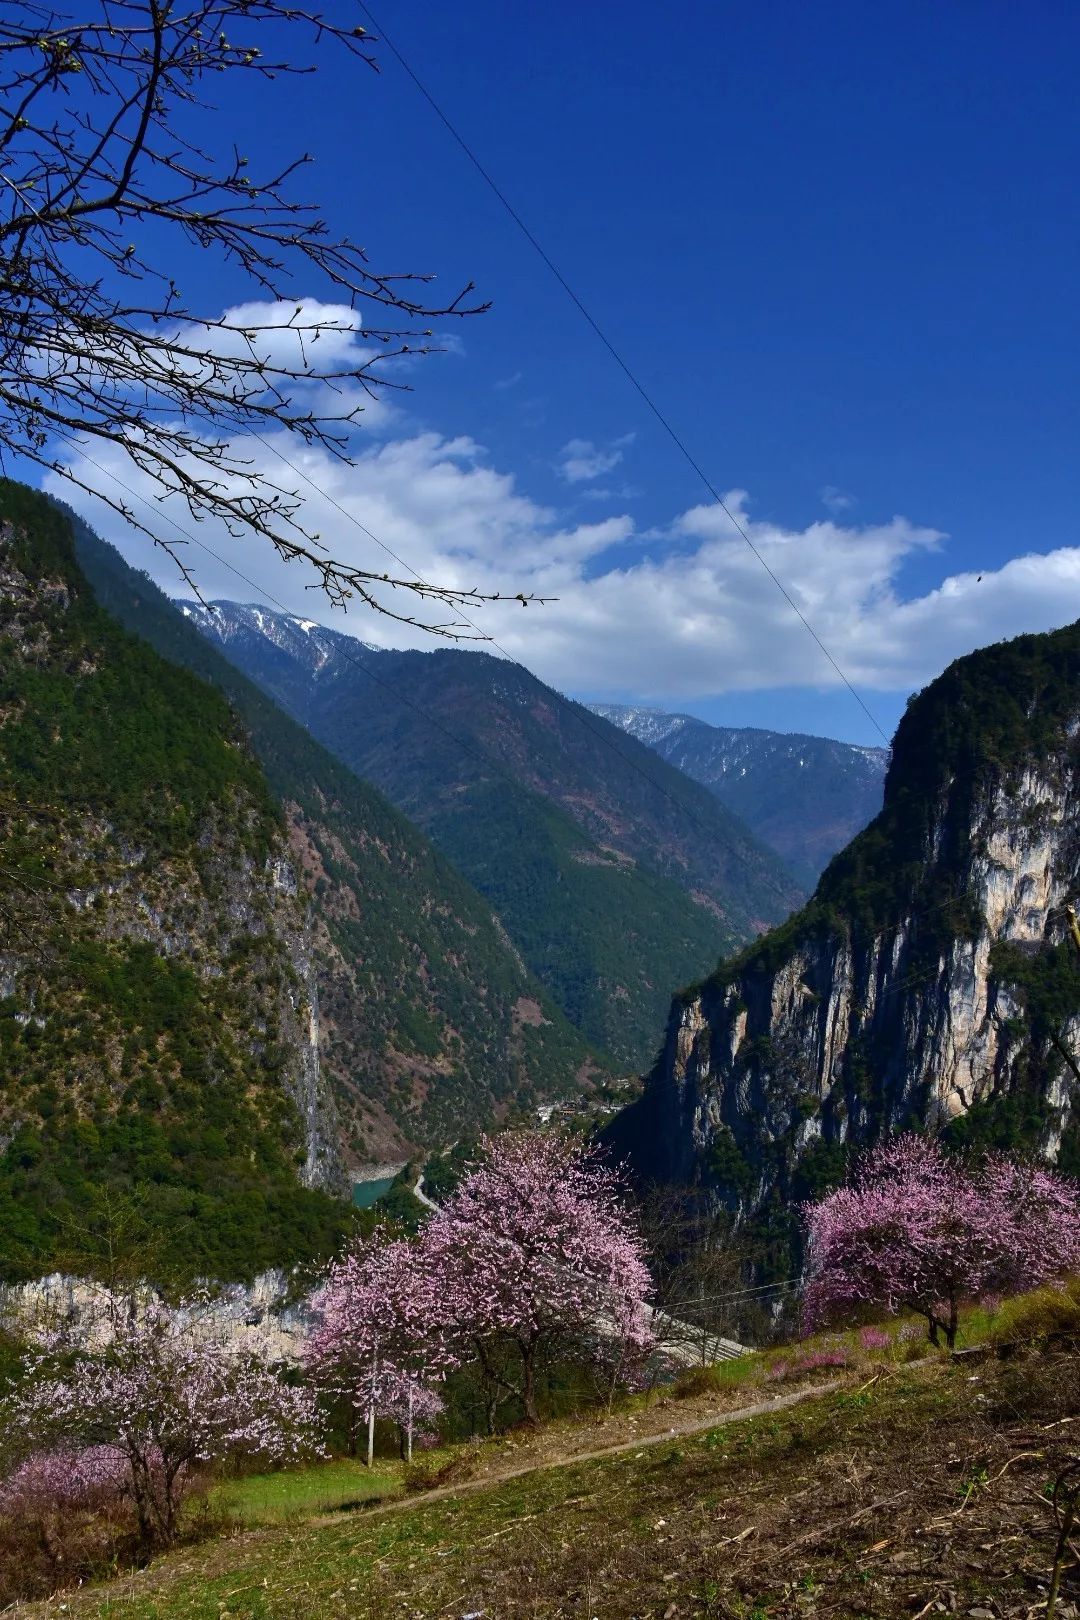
(932, 981)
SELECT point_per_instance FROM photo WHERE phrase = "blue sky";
(839, 244)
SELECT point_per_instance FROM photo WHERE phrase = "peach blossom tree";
(137, 1409)
(922, 1230)
(535, 1251)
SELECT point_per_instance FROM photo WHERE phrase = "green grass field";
(303, 1493)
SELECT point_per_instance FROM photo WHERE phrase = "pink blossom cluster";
(822, 1358)
(534, 1248)
(65, 1479)
(925, 1231)
(162, 1396)
(382, 1334)
(872, 1338)
(809, 1361)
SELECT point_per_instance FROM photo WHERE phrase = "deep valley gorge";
(239, 909)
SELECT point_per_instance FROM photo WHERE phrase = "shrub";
(60, 1480)
(809, 1361)
(814, 1359)
(1051, 1313)
(698, 1381)
(429, 1475)
(64, 1516)
(57, 1544)
(872, 1338)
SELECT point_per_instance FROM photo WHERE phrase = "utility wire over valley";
(624, 366)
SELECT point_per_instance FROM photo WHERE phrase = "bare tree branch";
(104, 118)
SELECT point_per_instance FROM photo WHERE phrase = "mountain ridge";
(157, 1002)
(431, 1023)
(614, 875)
(806, 796)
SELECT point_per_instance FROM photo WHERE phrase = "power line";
(717, 1299)
(486, 760)
(855, 936)
(905, 983)
(619, 360)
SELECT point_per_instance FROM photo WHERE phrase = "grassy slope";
(300, 1493)
(418, 988)
(918, 1487)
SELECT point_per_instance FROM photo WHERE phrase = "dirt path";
(490, 1481)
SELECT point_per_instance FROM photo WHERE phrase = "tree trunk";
(528, 1383)
(142, 1496)
(408, 1457)
(169, 1506)
(371, 1434)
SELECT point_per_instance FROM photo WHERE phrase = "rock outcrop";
(932, 982)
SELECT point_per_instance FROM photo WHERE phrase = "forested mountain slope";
(804, 796)
(429, 1024)
(158, 999)
(614, 875)
(932, 981)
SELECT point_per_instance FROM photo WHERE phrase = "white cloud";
(684, 612)
(306, 353)
(580, 460)
(837, 500)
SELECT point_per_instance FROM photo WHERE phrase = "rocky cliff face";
(932, 982)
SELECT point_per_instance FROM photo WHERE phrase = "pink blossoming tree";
(142, 1409)
(924, 1231)
(382, 1335)
(535, 1251)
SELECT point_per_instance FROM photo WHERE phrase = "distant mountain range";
(614, 874)
(805, 797)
